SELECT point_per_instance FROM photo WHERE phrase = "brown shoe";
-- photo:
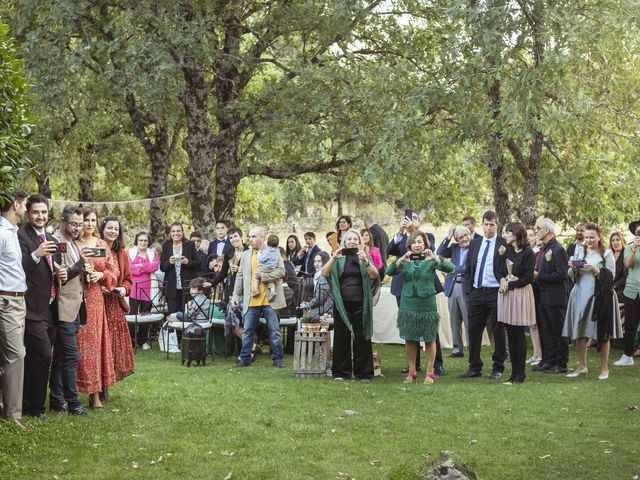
(21, 426)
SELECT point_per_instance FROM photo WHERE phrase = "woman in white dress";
(586, 265)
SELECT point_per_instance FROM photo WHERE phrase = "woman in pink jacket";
(374, 252)
(143, 262)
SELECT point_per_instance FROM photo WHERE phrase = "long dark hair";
(86, 211)
(520, 232)
(118, 243)
(338, 231)
(288, 251)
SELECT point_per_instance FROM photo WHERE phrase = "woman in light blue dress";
(586, 265)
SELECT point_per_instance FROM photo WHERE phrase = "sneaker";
(278, 363)
(146, 346)
(625, 361)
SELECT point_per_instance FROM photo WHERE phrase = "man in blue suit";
(220, 246)
(306, 255)
(454, 284)
(398, 247)
(485, 260)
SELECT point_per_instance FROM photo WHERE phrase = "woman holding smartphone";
(353, 279)
(578, 321)
(115, 305)
(95, 370)
(418, 317)
(180, 264)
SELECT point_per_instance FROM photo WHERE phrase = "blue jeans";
(251, 319)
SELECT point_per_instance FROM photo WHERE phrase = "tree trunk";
(42, 178)
(87, 170)
(160, 164)
(199, 147)
(228, 176)
(495, 162)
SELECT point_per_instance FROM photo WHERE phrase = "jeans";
(64, 369)
(251, 319)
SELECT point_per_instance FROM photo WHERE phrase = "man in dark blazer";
(470, 223)
(577, 245)
(398, 247)
(38, 249)
(306, 255)
(220, 246)
(551, 275)
(485, 260)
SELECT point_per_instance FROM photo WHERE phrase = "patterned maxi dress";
(121, 347)
(95, 370)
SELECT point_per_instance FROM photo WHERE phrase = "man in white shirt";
(13, 286)
(485, 260)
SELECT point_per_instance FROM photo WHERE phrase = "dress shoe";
(278, 363)
(555, 370)
(495, 375)
(456, 354)
(59, 409)
(440, 371)
(20, 426)
(470, 374)
(541, 367)
(241, 364)
(79, 411)
(39, 416)
(577, 372)
(513, 381)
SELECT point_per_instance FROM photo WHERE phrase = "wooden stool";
(311, 354)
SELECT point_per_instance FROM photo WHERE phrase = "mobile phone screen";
(349, 251)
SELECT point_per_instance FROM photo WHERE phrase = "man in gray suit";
(63, 395)
(256, 306)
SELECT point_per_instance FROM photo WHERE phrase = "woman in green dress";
(418, 317)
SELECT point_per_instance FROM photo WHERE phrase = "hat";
(633, 226)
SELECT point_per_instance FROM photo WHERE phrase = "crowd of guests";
(66, 286)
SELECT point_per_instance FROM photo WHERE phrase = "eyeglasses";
(74, 224)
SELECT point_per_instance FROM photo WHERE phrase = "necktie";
(52, 292)
(482, 263)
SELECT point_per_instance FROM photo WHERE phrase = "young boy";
(198, 308)
(267, 263)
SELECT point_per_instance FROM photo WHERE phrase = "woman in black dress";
(179, 264)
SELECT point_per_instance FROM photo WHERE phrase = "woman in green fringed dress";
(418, 317)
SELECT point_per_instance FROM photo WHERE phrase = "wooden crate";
(311, 354)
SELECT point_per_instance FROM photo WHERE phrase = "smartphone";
(349, 251)
(99, 251)
(413, 216)
(417, 257)
(579, 263)
(61, 247)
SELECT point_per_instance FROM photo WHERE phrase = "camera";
(349, 251)
(417, 257)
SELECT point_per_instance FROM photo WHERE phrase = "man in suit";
(13, 285)
(398, 248)
(551, 276)
(455, 285)
(306, 255)
(201, 257)
(37, 249)
(220, 245)
(256, 306)
(485, 260)
(63, 396)
(470, 223)
(578, 244)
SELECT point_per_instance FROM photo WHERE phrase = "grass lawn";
(216, 422)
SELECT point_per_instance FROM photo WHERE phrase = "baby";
(267, 262)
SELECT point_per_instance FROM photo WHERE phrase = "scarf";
(369, 289)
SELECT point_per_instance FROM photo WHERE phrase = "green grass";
(168, 421)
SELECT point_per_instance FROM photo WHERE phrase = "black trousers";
(362, 365)
(631, 320)
(175, 304)
(517, 351)
(555, 347)
(438, 362)
(37, 362)
(64, 369)
(482, 308)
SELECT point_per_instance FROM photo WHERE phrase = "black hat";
(633, 226)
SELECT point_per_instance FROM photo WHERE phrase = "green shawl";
(370, 288)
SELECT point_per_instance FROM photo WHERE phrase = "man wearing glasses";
(64, 392)
(551, 275)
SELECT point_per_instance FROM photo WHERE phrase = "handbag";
(82, 313)
(123, 304)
